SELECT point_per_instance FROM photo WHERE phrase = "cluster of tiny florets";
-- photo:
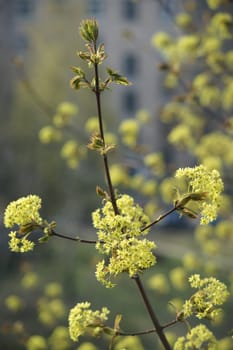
(198, 338)
(83, 320)
(23, 211)
(24, 214)
(201, 180)
(20, 245)
(210, 294)
(119, 237)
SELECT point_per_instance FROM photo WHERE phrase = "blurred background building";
(43, 36)
(126, 28)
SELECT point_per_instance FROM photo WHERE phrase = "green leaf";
(75, 82)
(117, 77)
(78, 71)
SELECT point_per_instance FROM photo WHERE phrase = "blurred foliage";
(42, 75)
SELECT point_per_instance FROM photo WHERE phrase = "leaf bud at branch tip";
(89, 30)
(101, 193)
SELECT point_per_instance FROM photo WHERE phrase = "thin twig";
(148, 331)
(158, 327)
(76, 239)
(161, 217)
(100, 119)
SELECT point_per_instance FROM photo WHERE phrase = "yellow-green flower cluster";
(24, 213)
(119, 237)
(20, 245)
(203, 181)
(210, 294)
(198, 338)
(83, 320)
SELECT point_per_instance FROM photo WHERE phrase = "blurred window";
(130, 65)
(24, 7)
(95, 7)
(130, 9)
(130, 102)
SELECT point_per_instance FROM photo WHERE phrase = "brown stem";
(132, 334)
(158, 327)
(100, 119)
(76, 239)
(148, 331)
(171, 323)
(161, 217)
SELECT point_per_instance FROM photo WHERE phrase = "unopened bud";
(89, 30)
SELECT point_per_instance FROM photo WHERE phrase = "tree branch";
(148, 331)
(161, 217)
(158, 327)
(76, 239)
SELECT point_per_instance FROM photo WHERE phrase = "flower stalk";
(158, 327)
(100, 119)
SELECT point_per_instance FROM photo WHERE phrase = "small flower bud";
(89, 30)
(101, 193)
(97, 143)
